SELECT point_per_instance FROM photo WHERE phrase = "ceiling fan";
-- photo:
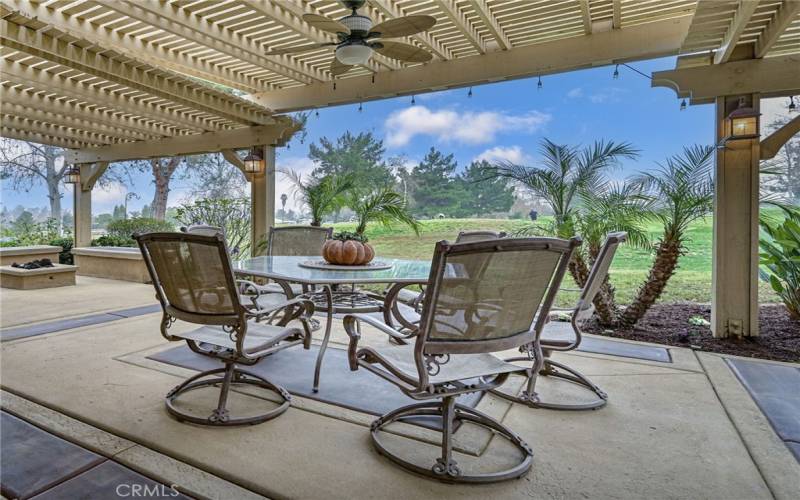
(358, 38)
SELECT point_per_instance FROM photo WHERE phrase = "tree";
(781, 174)
(436, 188)
(482, 195)
(119, 212)
(163, 170)
(214, 177)
(382, 205)
(683, 191)
(360, 155)
(25, 164)
(321, 196)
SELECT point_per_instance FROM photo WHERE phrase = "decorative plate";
(375, 265)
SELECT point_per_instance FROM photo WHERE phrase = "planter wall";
(21, 255)
(32, 279)
(115, 263)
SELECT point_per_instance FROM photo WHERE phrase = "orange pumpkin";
(347, 253)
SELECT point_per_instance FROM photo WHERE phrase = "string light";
(360, 107)
(792, 105)
(469, 94)
(683, 104)
(316, 113)
(616, 72)
(413, 100)
(539, 84)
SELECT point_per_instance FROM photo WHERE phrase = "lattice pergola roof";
(88, 73)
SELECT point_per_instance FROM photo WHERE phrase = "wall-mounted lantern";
(743, 122)
(253, 162)
(72, 175)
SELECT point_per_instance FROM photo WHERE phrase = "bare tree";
(214, 177)
(163, 171)
(26, 164)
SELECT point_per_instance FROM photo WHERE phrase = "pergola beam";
(586, 16)
(743, 14)
(135, 47)
(130, 74)
(771, 77)
(209, 142)
(175, 20)
(459, 19)
(782, 19)
(616, 14)
(772, 144)
(645, 41)
(482, 9)
(176, 122)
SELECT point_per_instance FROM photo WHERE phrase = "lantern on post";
(72, 175)
(743, 122)
(253, 162)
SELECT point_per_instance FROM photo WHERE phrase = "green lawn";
(692, 281)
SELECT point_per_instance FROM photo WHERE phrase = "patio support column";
(734, 305)
(82, 206)
(262, 200)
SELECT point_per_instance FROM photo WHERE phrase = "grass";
(691, 282)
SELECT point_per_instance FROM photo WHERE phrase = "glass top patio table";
(288, 268)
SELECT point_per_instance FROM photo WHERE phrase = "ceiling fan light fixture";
(353, 54)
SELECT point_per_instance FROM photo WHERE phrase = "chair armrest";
(351, 328)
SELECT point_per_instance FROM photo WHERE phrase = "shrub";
(780, 257)
(113, 241)
(65, 257)
(125, 228)
(231, 214)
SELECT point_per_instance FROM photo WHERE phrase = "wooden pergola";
(115, 80)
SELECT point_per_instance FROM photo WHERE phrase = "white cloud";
(513, 154)
(283, 185)
(105, 197)
(607, 94)
(460, 127)
(575, 93)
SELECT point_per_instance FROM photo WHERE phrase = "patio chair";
(194, 283)
(549, 342)
(482, 298)
(403, 305)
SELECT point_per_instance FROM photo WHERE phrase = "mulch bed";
(779, 335)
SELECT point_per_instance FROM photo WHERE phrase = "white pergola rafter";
(492, 24)
(135, 47)
(459, 19)
(23, 135)
(388, 9)
(586, 15)
(49, 129)
(740, 20)
(132, 74)
(783, 18)
(175, 20)
(168, 122)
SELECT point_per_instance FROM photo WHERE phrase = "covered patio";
(123, 80)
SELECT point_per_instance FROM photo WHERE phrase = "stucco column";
(262, 201)
(734, 305)
(82, 211)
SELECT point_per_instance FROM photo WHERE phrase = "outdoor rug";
(293, 369)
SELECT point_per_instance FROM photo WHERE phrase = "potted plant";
(352, 248)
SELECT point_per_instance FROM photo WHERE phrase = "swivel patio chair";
(194, 283)
(403, 305)
(483, 297)
(550, 342)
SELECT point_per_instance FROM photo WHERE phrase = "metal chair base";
(446, 468)
(220, 415)
(551, 369)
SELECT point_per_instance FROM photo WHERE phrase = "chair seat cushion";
(557, 334)
(458, 367)
(259, 336)
(408, 296)
(274, 287)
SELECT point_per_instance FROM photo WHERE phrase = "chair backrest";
(203, 229)
(297, 240)
(193, 276)
(470, 236)
(491, 306)
(598, 274)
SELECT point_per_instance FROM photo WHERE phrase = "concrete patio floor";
(686, 429)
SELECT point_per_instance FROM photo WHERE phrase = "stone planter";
(115, 263)
(32, 279)
(20, 255)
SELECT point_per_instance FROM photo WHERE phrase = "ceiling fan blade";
(337, 68)
(404, 26)
(303, 48)
(402, 51)
(325, 24)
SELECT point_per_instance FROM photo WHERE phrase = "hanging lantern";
(253, 163)
(72, 175)
(744, 122)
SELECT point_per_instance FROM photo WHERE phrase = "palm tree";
(565, 175)
(605, 209)
(683, 191)
(321, 196)
(383, 205)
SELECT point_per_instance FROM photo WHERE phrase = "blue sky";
(500, 120)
